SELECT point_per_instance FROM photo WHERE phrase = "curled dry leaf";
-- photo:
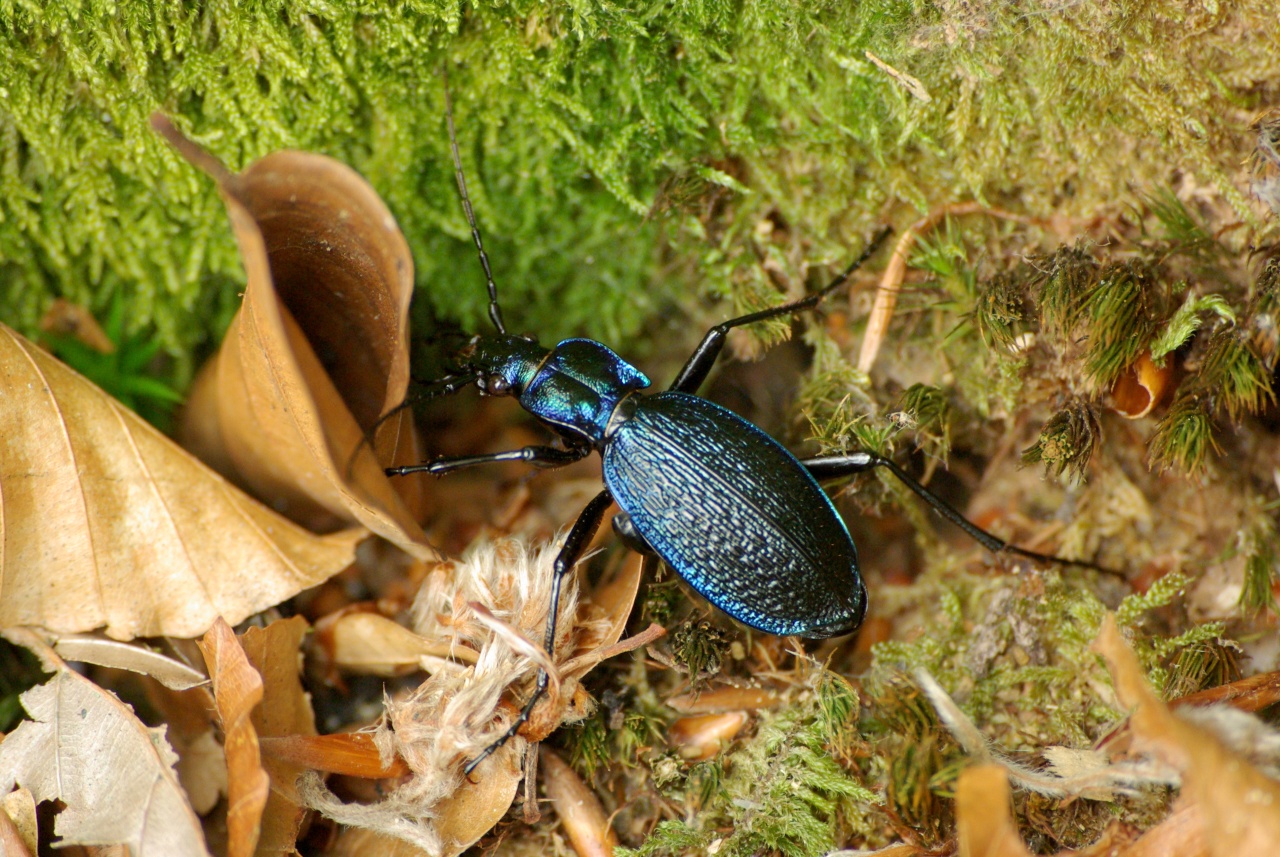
(106, 522)
(1239, 806)
(354, 754)
(93, 649)
(86, 748)
(237, 690)
(462, 708)
(984, 825)
(19, 828)
(318, 352)
(274, 651)
(370, 643)
(1142, 387)
(579, 809)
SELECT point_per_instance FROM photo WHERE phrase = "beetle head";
(502, 365)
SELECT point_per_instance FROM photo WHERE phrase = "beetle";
(722, 503)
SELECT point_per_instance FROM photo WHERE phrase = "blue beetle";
(731, 510)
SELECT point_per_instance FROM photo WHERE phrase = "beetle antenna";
(495, 314)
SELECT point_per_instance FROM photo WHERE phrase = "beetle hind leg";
(847, 464)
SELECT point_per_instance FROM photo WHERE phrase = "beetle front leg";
(538, 456)
(574, 545)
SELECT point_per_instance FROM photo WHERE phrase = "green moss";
(784, 793)
(573, 120)
(1067, 440)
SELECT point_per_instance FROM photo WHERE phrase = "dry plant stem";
(891, 281)
(1097, 782)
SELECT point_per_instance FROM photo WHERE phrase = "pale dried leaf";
(188, 716)
(318, 352)
(87, 749)
(93, 649)
(237, 690)
(107, 523)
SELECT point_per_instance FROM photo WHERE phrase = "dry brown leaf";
(984, 823)
(93, 649)
(353, 754)
(702, 736)
(19, 829)
(87, 749)
(202, 766)
(107, 522)
(318, 352)
(1181, 834)
(358, 842)
(580, 811)
(1247, 694)
(1240, 806)
(891, 281)
(237, 690)
(719, 700)
(67, 319)
(12, 843)
(274, 652)
(369, 643)
(473, 810)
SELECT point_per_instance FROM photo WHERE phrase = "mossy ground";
(628, 162)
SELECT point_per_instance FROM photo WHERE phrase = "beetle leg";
(538, 456)
(847, 464)
(704, 356)
(574, 544)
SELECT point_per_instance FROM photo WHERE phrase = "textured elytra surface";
(736, 515)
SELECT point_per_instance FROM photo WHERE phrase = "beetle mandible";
(726, 506)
